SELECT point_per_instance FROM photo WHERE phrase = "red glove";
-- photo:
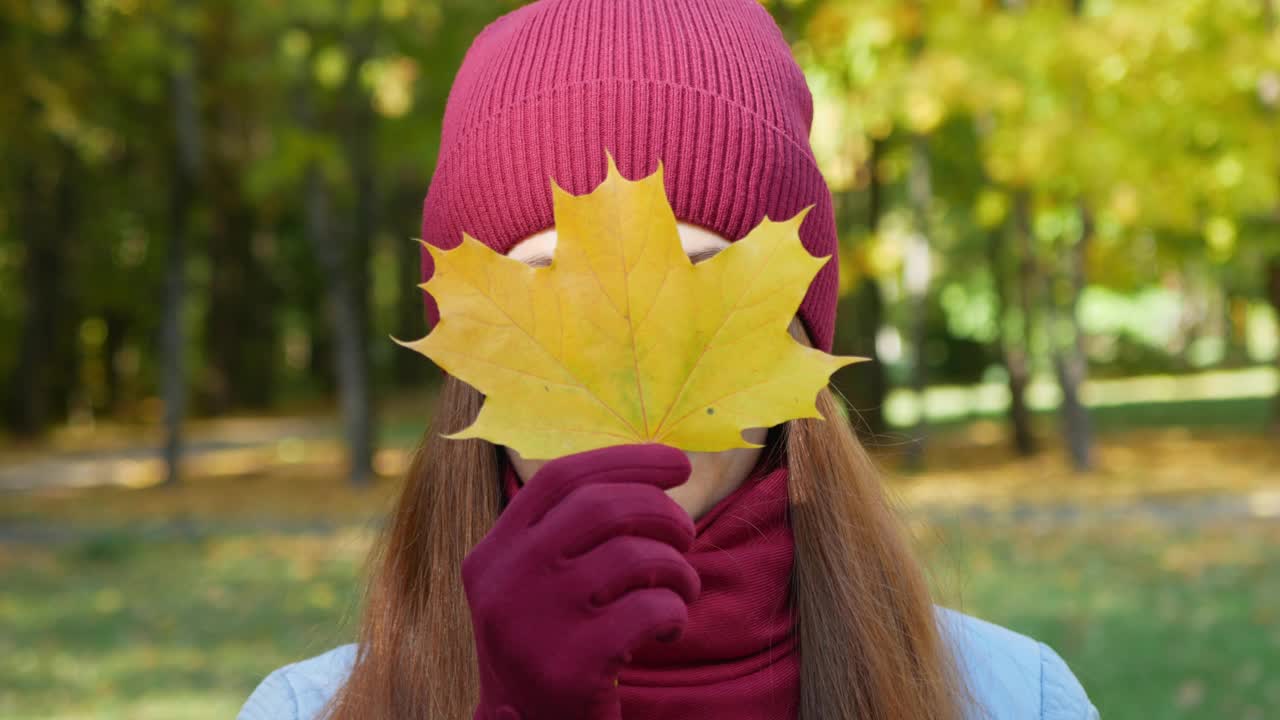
(584, 565)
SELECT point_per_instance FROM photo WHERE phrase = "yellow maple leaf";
(622, 339)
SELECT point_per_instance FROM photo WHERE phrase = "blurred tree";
(241, 340)
(47, 49)
(343, 257)
(1273, 289)
(1013, 339)
(1269, 97)
(861, 311)
(186, 170)
(918, 271)
(846, 50)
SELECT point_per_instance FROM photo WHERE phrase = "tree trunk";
(1195, 311)
(346, 265)
(918, 271)
(1273, 290)
(1028, 289)
(1012, 351)
(118, 324)
(1273, 267)
(43, 275)
(65, 315)
(360, 144)
(174, 372)
(348, 355)
(241, 339)
(1070, 361)
(865, 385)
(877, 393)
(182, 193)
(45, 375)
(408, 368)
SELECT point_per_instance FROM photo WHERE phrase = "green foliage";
(1159, 119)
(1158, 116)
(87, 127)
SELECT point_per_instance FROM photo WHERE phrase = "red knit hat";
(708, 87)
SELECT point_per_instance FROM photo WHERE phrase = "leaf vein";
(760, 268)
(558, 360)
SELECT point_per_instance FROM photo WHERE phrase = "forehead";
(697, 241)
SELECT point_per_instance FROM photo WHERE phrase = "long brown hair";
(871, 648)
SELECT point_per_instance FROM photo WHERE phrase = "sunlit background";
(1060, 229)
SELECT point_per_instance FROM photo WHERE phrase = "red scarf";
(738, 657)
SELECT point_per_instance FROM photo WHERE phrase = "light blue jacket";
(1010, 675)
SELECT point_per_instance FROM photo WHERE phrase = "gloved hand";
(585, 564)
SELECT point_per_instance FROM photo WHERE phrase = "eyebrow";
(697, 256)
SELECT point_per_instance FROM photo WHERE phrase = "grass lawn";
(1156, 623)
(1243, 414)
(122, 627)
(172, 604)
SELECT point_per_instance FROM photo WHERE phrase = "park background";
(1060, 240)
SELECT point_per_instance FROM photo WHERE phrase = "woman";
(641, 581)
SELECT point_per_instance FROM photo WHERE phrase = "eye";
(538, 261)
(698, 256)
